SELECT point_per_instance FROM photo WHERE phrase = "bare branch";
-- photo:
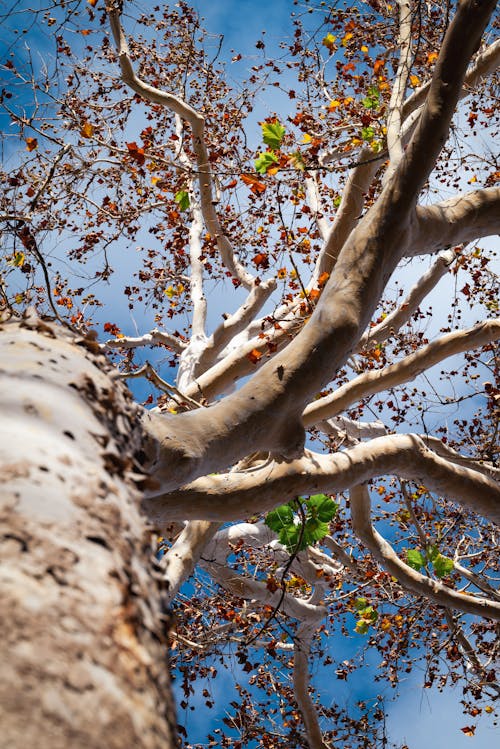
(396, 319)
(394, 142)
(408, 577)
(460, 219)
(154, 336)
(374, 381)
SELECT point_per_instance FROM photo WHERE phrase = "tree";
(265, 426)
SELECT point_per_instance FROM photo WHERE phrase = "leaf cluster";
(441, 564)
(302, 522)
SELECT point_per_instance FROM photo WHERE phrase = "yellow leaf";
(364, 48)
(31, 144)
(334, 104)
(488, 709)
(155, 180)
(169, 292)
(346, 38)
(432, 57)
(87, 130)
(281, 273)
(414, 80)
(307, 138)
(473, 179)
(18, 298)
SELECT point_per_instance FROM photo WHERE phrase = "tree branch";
(375, 381)
(460, 219)
(234, 495)
(408, 577)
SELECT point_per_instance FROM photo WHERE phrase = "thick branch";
(460, 219)
(235, 495)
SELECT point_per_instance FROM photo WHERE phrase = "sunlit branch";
(375, 381)
(487, 62)
(460, 219)
(181, 399)
(347, 215)
(231, 496)
(394, 118)
(314, 202)
(350, 431)
(447, 452)
(235, 323)
(393, 322)
(179, 561)
(301, 656)
(460, 42)
(408, 577)
(154, 336)
(197, 122)
(197, 295)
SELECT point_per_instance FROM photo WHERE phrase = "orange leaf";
(255, 185)
(254, 355)
(469, 730)
(379, 64)
(31, 144)
(432, 57)
(136, 153)
(93, 3)
(87, 130)
(85, 32)
(261, 259)
(323, 279)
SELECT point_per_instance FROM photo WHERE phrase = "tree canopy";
(315, 306)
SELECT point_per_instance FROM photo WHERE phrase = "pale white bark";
(154, 336)
(408, 577)
(375, 381)
(396, 319)
(460, 219)
(83, 637)
(180, 560)
(301, 655)
(394, 118)
(231, 496)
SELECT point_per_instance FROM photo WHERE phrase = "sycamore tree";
(296, 475)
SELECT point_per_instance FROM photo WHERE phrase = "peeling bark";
(83, 634)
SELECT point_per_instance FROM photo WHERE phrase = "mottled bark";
(83, 636)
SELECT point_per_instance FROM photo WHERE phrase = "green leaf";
(372, 100)
(272, 134)
(367, 133)
(415, 559)
(361, 627)
(442, 565)
(293, 538)
(182, 199)
(360, 604)
(368, 615)
(279, 518)
(314, 530)
(432, 552)
(322, 507)
(265, 160)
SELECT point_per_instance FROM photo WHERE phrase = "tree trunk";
(83, 635)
